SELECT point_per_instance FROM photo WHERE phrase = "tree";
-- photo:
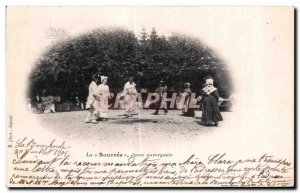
(144, 35)
(118, 53)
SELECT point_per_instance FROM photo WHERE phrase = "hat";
(103, 78)
(209, 81)
(188, 84)
(162, 83)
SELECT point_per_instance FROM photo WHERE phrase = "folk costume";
(130, 94)
(188, 109)
(210, 109)
(92, 102)
(161, 103)
(103, 91)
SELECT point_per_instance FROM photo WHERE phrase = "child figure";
(92, 100)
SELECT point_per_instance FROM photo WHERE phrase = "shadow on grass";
(131, 121)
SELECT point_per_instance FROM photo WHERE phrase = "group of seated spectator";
(51, 103)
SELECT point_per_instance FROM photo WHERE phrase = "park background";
(65, 69)
(255, 42)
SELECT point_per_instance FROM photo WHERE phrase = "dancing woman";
(103, 91)
(187, 109)
(130, 94)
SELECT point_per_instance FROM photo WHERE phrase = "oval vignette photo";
(150, 97)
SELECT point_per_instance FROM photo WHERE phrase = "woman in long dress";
(210, 109)
(188, 110)
(130, 94)
(103, 91)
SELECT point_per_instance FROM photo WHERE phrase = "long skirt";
(131, 105)
(103, 107)
(210, 110)
(188, 110)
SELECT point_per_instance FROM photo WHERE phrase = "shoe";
(155, 113)
(135, 113)
(87, 120)
(128, 115)
(94, 122)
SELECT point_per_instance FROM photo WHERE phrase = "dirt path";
(137, 131)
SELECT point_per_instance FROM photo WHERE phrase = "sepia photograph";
(116, 79)
(150, 96)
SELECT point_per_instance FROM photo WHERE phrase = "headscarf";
(209, 88)
(210, 81)
(103, 78)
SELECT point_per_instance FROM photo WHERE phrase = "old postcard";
(151, 96)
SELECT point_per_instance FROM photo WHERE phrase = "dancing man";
(161, 103)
